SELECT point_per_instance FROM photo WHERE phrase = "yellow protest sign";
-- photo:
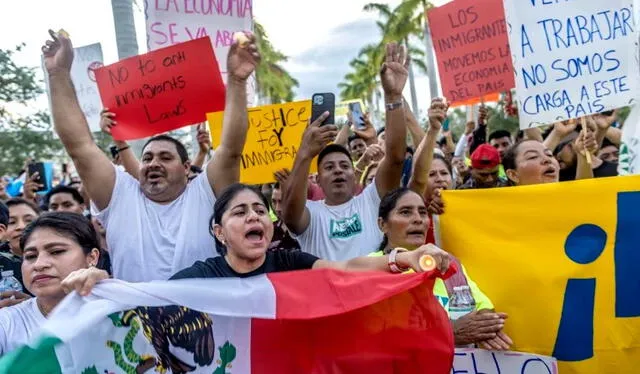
(273, 139)
(562, 260)
(343, 107)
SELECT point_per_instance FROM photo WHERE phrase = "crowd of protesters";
(164, 215)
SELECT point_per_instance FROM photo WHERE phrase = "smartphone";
(38, 167)
(445, 125)
(357, 116)
(323, 102)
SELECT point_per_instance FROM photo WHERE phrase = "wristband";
(394, 106)
(393, 265)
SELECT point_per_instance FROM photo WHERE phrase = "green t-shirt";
(440, 290)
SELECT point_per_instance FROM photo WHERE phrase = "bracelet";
(123, 148)
(393, 265)
(394, 106)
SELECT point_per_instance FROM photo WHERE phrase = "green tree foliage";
(31, 135)
(22, 136)
(273, 81)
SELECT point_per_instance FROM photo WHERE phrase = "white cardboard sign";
(572, 58)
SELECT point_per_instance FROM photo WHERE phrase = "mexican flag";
(318, 321)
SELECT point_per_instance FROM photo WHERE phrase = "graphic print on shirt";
(345, 228)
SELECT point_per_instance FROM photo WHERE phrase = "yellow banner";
(273, 139)
(563, 260)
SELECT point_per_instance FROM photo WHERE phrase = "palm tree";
(273, 81)
(400, 24)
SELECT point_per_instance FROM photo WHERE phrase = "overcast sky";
(320, 37)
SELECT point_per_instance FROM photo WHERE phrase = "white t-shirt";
(150, 241)
(18, 323)
(342, 232)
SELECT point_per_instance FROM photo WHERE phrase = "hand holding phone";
(36, 172)
(356, 116)
(323, 102)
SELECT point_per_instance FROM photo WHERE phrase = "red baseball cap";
(485, 157)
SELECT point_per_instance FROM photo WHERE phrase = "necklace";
(43, 310)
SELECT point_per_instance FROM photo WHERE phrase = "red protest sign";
(162, 90)
(472, 48)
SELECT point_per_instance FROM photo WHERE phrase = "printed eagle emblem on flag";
(172, 325)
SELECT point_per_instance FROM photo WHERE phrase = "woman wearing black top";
(243, 230)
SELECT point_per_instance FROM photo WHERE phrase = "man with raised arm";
(343, 226)
(158, 225)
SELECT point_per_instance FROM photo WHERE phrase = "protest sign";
(170, 22)
(273, 139)
(570, 293)
(472, 48)
(162, 90)
(479, 361)
(572, 58)
(85, 61)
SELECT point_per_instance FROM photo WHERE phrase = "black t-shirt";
(607, 169)
(217, 267)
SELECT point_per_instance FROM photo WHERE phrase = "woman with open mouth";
(54, 245)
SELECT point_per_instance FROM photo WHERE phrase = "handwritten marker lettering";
(162, 90)
(273, 139)
(470, 40)
(572, 58)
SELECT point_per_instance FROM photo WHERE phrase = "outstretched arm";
(295, 213)
(224, 169)
(424, 154)
(96, 171)
(393, 76)
(404, 260)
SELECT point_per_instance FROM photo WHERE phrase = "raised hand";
(374, 153)
(586, 141)
(395, 70)
(316, 137)
(107, 120)
(204, 142)
(604, 121)
(369, 132)
(565, 128)
(58, 53)
(31, 186)
(437, 113)
(243, 58)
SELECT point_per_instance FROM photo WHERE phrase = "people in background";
(21, 214)
(500, 140)
(485, 169)
(357, 147)
(282, 237)
(608, 152)
(65, 199)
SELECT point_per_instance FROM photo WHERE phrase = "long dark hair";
(387, 204)
(73, 226)
(222, 205)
